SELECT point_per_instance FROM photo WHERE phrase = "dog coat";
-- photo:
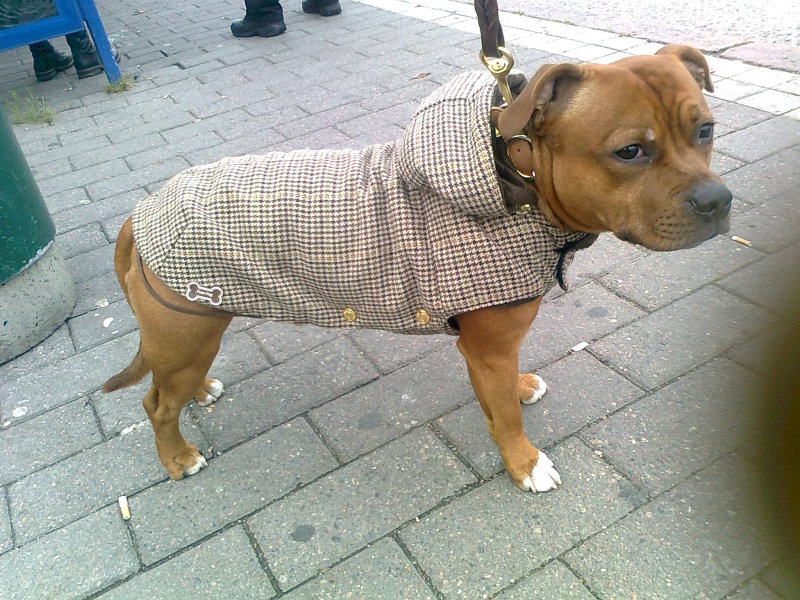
(399, 236)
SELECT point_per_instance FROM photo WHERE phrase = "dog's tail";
(122, 263)
(129, 375)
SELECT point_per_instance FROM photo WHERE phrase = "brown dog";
(623, 148)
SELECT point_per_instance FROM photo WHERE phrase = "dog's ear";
(694, 61)
(548, 92)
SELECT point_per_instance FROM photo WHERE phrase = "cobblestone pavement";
(356, 463)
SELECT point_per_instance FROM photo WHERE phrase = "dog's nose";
(711, 199)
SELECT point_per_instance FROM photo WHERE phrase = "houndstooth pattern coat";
(400, 236)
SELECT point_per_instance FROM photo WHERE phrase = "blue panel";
(71, 17)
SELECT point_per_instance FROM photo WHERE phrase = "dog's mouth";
(672, 237)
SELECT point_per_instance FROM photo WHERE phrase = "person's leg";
(263, 18)
(87, 61)
(47, 61)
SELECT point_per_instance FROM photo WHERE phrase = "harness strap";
(170, 305)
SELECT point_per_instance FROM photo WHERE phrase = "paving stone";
(684, 271)
(83, 483)
(143, 143)
(760, 140)
(772, 225)
(46, 439)
(53, 168)
(553, 582)
(6, 542)
(285, 391)
(756, 352)
(282, 341)
(381, 570)
(753, 590)
(766, 178)
(133, 180)
(605, 254)
(91, 264)
(688, 332)
(783, 577)
(767, 282)
(93, 328)
(224, 566)
(730, 116)
(721, 164)
(391, 351)
(173, 514)
(355, 505)
(481, 542)
(81, 240)
(239, 357)
(77, 375)
(584, 314)
(97, 292)
(662, 439)
(74, 562)
(65, 200)
(82, 214)
(84, 177)
(580, 390)
(122, 409)
(701, 539)
(52, 349)
(384, 409)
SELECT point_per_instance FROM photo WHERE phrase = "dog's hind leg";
(179, 349)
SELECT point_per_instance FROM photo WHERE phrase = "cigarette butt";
(579, 347)
(742, 241)
(123, 507)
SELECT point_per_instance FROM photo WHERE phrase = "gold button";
(523, 209)
(423, 318)
(349, 315)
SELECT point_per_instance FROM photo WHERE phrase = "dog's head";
(625, 148)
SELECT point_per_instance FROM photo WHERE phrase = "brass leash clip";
(500, 67)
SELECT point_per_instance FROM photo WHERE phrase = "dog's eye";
(706, 132)
(630, 152)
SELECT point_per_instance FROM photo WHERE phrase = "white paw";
(215, 388)
(543, 477)
(199, 463)
(206, 400)
(541, 388)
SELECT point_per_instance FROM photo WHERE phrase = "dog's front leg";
(490, 340)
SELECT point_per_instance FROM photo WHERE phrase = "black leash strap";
(493, 55)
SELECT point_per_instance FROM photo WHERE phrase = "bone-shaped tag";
(196, 292)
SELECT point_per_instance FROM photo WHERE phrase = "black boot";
(325, 8)
(246, 28)
(87, 61)
(47, 61)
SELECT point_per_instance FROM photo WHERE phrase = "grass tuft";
(123, 85)
(29, 109)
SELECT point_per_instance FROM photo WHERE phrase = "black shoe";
(325, 8)
(47, 61)
(245, 28)
(87, 61)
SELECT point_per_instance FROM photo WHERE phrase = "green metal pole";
(36, 291)
(26, 228)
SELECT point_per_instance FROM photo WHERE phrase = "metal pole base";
(34, 303)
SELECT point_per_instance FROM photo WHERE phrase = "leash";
(499, 61)
(493, 54)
